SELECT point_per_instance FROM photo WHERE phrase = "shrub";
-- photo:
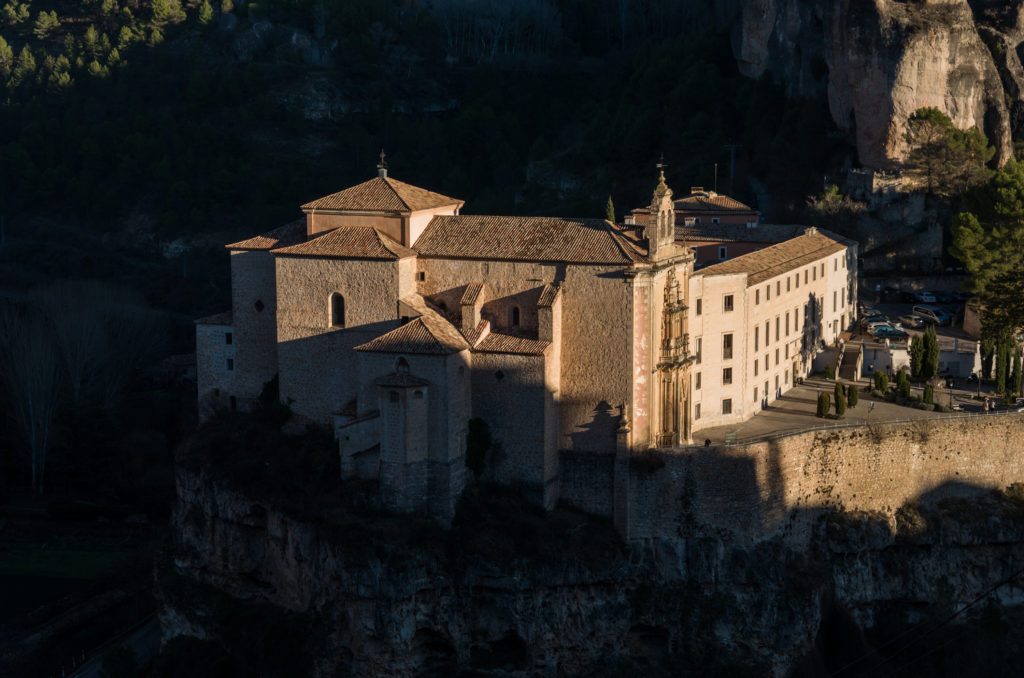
(829, 372)
(929, 395)
(942, 408)
(824, 402)
(840, 394)
(852, 395)
(881, 381)
(903, 385)
(927, 407)
(878, 394)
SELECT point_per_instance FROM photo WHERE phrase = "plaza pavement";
(796, 411)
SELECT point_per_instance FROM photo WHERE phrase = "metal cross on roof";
(382, 163)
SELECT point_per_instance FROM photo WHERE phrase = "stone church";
(396, 319)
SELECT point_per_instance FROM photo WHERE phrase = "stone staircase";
(851, 362)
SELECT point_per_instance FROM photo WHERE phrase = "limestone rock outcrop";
(878, 62)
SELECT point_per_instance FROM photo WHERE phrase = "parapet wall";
(775, 487)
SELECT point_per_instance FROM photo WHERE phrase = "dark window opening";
(234, 403)
(499, 375)
(258, 306)
(515, 316)
(421, 276)
(227, 337)
(337, 310)
(231, 364)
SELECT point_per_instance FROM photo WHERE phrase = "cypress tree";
(823, 404)
(1016, 377)
(929, 395)
(987, 351)
(916, 355)
(1002, 368)
(852, 395)
(609, 210)
(930, 363)
(840, 394)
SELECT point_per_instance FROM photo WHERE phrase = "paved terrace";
(796, 411)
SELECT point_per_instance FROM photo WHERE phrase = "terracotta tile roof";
(778, 259)
(430, 333)
(554, 239)
(482, 329)
(350, 242)
(738, 232)
(289, 234)
(418, 336)
(507, 343)
(705, 202)
(218, 319)
(381, 195)
(548, 295)
(471, 294)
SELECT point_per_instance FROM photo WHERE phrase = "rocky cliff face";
(371, 608)
(878, 62)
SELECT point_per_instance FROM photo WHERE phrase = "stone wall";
(254, 316)
(777, 487)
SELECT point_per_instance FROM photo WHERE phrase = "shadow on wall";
(598, 434)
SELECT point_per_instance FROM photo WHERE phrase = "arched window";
(402, 366)
(515, 316)
(337, 310)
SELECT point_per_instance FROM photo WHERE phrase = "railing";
(732, 439)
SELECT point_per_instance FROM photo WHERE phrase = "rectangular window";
(787, 323)
(776, 382)
(814, 273)
(788, 281)
(715, 220)
(727, 375)
(755, 394)
(796, 319)
(696, 382)
(767, 292)
(834, 295)
(836, 266)
(421, 276)
(727, 406)
(696, 412)
(787, 351)
(777, 324)
(778, 287)
(228, 338)
(756, 332)
(697, 349)
(766, 388)
(698, 307)
(755, 367)
(722, 251)
(842, 297)
(757, 297)
(776, 356)
(786, 379)
(231, 364)
(765, 362)
(823, 269)
(727, 303)
(805, 276)
(726, 347)
(767, 333)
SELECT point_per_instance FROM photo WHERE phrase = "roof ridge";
(387, 181)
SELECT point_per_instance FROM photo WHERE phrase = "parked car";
(912, 321)
(944, 297)
(890, 332)
(933, 315)
(866, 322)
(925, 297)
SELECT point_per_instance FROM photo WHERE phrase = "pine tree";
(46, 24)
(930, 363)
(6, 58)
(24, 67)
(609, 210)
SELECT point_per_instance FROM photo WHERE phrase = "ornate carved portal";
(673, 370)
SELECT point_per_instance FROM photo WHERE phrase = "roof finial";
(382, 166)
(662, 186)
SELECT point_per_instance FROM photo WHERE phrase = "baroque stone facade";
(392, 317)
